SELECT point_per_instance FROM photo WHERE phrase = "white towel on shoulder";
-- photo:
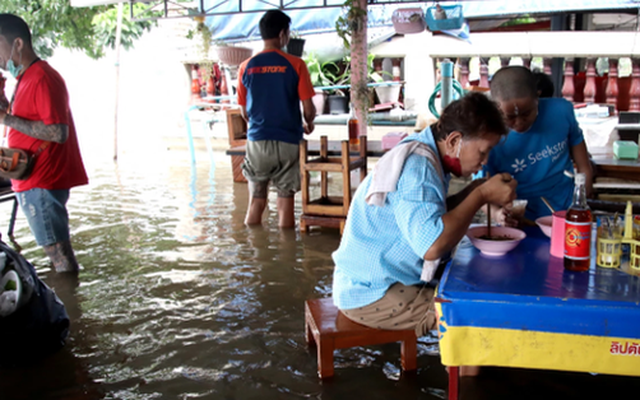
(387, 171)
(385, 180)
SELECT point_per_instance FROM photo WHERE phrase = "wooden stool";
(330, 329)
(329, 211)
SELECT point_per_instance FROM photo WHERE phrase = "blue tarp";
(244, 24)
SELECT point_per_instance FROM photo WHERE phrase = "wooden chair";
(329, 211)
(237, 129)
(329, 329)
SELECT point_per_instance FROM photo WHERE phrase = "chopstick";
(546, 202)
(488, 214)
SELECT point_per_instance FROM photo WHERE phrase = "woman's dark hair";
(272, 23)
(474, 115)
(12, 27)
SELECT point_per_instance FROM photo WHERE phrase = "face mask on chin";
(11, 66)
(453, 165)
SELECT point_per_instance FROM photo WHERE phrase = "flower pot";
(388, 94)
(319, 100)
(337, 104)
(295, 47)
(408, 20)
(454, 18)
(231, 55)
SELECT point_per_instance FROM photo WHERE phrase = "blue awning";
(243, 23)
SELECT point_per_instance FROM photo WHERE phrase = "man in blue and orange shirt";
(271, 86)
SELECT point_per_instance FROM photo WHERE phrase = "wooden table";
(523, 310)
(607, 166)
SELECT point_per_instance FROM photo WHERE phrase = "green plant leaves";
(55, 23)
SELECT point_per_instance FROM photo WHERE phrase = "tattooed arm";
(53, 133)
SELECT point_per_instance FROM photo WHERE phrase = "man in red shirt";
(38, 120)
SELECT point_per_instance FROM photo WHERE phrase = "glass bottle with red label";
(354, 129)
(577, 231)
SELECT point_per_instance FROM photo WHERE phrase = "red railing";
(584, 86)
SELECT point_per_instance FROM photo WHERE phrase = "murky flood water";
(177, 299)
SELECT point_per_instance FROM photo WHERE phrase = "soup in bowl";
(501, 241)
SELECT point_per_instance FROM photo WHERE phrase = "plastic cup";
(557, 234)
(608, 242)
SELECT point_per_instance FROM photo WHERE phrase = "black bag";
(15, 163)
(40, 324)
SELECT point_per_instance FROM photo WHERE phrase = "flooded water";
(177, 299)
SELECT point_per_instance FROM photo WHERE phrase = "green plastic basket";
(454, 19)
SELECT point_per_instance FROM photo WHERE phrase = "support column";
(464, 71)
(568, 90)
(634, 90)
(546, 65)
(612, 84)
(377, 65)
(558, 23)
(419, 73)
(484, 72)
(396, 69)
(504, 61)
(359, 68)
(590, 85)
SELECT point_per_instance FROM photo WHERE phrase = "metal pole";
(117, 80)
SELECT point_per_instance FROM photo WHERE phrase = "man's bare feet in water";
(62, 256)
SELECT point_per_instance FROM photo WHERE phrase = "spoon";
(488, 214)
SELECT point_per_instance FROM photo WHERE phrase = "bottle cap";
(580, 178)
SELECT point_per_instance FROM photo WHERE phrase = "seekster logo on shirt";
(520, 164)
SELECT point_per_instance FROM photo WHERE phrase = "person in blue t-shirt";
(394, 238)
(542, 148)
(271, 86)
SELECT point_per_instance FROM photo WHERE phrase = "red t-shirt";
(42, 96)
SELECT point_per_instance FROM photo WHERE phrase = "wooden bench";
(329, 329)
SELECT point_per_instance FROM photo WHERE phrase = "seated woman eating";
(401, 223)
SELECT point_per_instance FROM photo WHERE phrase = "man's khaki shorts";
(272, 161)
(402, 307)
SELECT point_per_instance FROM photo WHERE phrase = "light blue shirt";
(538, 158)
(381, 246)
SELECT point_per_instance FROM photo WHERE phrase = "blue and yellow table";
(524, 310)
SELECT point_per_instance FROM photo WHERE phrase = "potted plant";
(337, 100)
(295, 47)
(386, 94)
(318, 79)
(232, 55)
(408, 20)
(202, 33)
